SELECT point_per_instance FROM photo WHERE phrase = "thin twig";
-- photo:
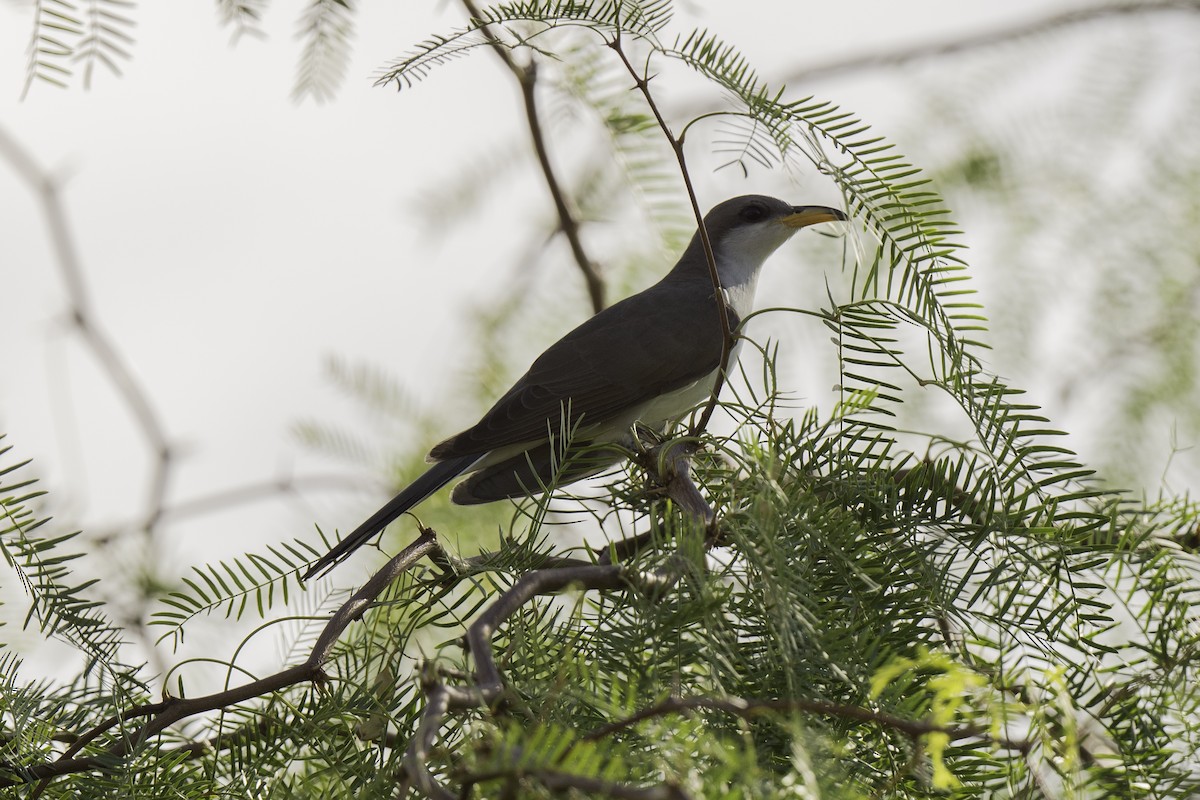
(526, 75)
(747, 708)
(642, 83)
(227, 499)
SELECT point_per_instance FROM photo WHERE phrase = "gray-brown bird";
(648, 359)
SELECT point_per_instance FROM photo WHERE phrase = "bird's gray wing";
(528, 472)
(662, 339)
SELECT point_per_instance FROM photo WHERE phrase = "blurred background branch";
(1044, 24)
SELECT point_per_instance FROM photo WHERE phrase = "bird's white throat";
(740, 259)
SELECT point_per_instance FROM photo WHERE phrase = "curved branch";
(746, 708)
(489, 686)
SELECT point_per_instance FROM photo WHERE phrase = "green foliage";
(1088, 207)
(243, 16)
(63, 33)
(230, 588)
(326, 29)
(35, 716)
(606, 17)
(57, 606)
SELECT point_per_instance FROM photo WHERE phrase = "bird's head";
(745, 231)
(751, 227)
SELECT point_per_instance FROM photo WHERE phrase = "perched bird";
(648, 359)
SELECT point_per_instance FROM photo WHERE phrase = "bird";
(646, 360)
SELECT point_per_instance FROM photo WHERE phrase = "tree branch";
(167, 712)
(526, 76)
(746, 709)
(992, 38)
(112, 364)
(488, 687)
(83, 317)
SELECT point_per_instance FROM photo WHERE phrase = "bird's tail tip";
(322, 566)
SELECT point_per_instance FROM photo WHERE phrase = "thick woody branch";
(488, 687)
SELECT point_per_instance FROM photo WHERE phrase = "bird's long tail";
(434, 478)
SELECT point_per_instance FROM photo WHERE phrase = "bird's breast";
(670, 407)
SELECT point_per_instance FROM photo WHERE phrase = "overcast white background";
(232, 239)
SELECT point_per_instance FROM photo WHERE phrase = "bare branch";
(112, 363)
(977, 41)
(526, 75)
(83, 317)
(226, 499)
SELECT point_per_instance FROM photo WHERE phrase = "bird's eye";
(754, 213)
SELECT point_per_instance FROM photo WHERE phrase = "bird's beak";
(803, 216)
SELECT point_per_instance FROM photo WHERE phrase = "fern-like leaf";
(327, 32)
(106, 37)
(57, 29)
(244, 17)
(607, 17)
(254, 581)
